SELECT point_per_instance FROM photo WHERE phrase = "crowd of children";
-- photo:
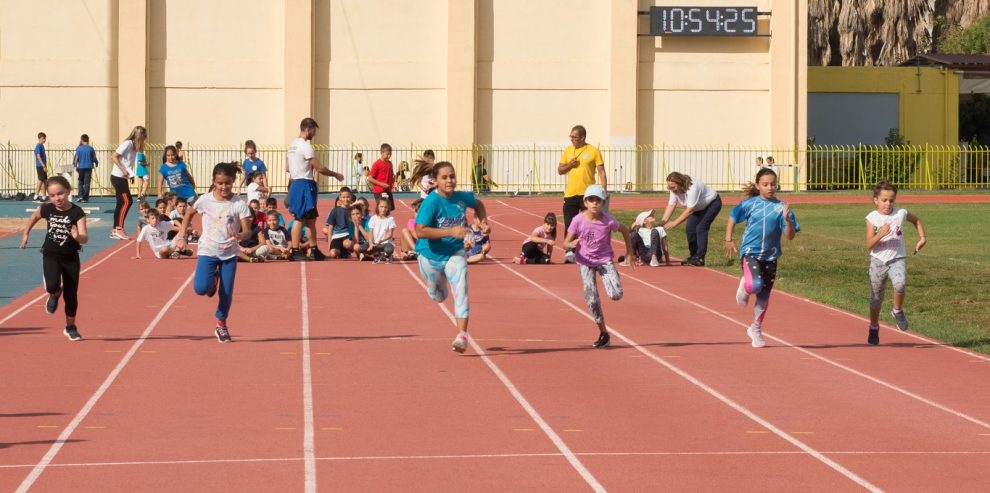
(438, 235)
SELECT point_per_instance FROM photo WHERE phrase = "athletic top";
(697, 196)
(58, 238)
(221, 225)
(298, 156)
(382, 171)
(764, 226)
(256, 166)
(40, 157)
(889, 247)
(381, 228)
(539, 233)
(128, 154)
(157, 236)
(278, 236)
(578, 179)
(438, 211)
(86, 157)
(595, 247)
(646, 233)
(340, 223)
(177, 177)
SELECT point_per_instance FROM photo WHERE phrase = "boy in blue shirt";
(84, 161)
(41, 167)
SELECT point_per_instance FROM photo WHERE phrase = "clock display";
(703, 21)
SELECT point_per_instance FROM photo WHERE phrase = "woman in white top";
(121, 174)
(701, 206)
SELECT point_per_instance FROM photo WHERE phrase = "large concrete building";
(438, 72)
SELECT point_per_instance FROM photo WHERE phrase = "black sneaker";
(603, 340)
(687, 261)
(223, 335)
(52, 304)
(72, 333)
(298, 256)
(695, 261)
(187, 252)
(317, 255)
(874, 337)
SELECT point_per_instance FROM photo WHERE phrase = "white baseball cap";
(641, 218)
(594, 191)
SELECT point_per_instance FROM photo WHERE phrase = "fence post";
(728, 164)
(862, 174)
(928, 171)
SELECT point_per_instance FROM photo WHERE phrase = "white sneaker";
(756, 335)
(742, 297)
(460, 343)
(569, 257)
(654, 262)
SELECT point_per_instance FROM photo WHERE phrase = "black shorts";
(42, 173)
(338, 244)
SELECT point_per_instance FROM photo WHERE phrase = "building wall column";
(132, 66)
(789, 73)
(623, 86)
(461, 71)
(300, 51)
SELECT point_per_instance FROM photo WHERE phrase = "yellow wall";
(928, 106)
(437, 72)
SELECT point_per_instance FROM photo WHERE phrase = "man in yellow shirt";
(580, 162)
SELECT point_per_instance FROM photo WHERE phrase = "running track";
(341, 377)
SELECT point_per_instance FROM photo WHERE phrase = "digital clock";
(703, 21)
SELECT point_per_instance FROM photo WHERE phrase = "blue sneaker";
(902, 322)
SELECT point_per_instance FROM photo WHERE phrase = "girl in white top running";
(885, 240)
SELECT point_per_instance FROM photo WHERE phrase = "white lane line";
(754, 453)
(812, 354)
(913, 335)
(711, 391)
(552, 435)
(43, 295)
(309, 452)
(81, 415)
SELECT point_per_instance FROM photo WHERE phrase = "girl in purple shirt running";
(590, 234)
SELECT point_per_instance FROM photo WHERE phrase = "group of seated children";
(649, 242)
(352, 231)
(160, 226)
(269, 239)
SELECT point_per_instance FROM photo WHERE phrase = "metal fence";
(533, 169)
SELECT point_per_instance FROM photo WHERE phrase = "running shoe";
(874, 338)
(521, 259)
(114, 235)
(742, 297)
(223, 335)
(316, 254)
(603, 340)
(756, 335)
(460, 343)
(256, 260)
(569, 257)
(654, 262)
(175, 254)
(696, 262)
(72, 333)
(52, 305)
(298, 256)
(187, 252)
(901, 320)
(121, 235)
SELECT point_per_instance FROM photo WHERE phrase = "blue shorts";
(141, 171)
(302, 199)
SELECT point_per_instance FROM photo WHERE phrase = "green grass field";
(948, 294)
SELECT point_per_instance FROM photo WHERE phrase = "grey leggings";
(895, 270)
(610, 279)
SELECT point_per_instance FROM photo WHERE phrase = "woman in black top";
(60, 253)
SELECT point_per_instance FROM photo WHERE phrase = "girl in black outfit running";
(60, 253)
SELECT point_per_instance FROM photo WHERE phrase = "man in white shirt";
(302, 165)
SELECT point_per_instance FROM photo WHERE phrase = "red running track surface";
(373, 399)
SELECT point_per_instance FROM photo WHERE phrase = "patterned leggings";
(758, 278)
(895, 270)
(611, 281)
(437, 273)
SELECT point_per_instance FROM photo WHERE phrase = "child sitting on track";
(382, 229)
(360, 238)
(258, 218)
(767, 219)
(156, 233)
(441, 227)
(256, 189)
(650, 241)
(176, 216)
(885, 240)
(271, 205)
(590, 236)
(538, 248)
(409, 234)
(479, 245)
(338, 226)
(276, 240)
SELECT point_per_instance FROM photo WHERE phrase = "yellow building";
(859, 105)
(431, 71)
